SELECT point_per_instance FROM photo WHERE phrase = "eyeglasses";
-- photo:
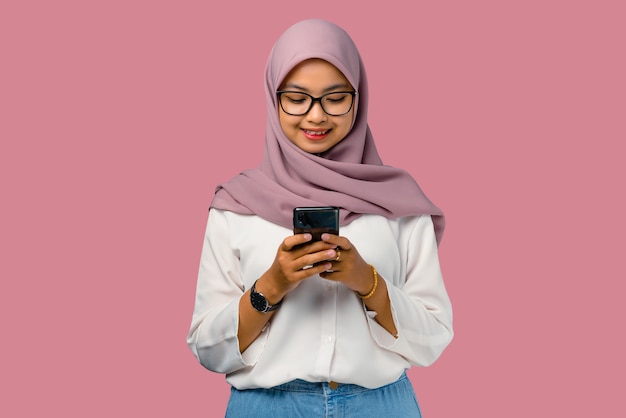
(296, 103)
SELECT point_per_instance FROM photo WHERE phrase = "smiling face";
(316, 131)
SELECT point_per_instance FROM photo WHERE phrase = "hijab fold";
(350, 175)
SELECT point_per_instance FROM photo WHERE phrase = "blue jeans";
(318, 400)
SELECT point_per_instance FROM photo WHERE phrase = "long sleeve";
(213, 334)
(420, 305)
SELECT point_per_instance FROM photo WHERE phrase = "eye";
(295, 98)
(336, 97)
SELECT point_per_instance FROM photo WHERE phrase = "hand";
(293, 255)
(347, 265)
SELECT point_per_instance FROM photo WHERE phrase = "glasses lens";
(295, 103)
(337, 103)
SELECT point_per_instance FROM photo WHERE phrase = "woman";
(299, 341)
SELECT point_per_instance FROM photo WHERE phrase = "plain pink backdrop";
(118, 119)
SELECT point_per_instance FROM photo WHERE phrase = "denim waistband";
(300, 385)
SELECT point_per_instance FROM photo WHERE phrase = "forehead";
(314, 74)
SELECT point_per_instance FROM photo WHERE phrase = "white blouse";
(322, 331)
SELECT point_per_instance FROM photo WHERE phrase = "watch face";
(258, 301)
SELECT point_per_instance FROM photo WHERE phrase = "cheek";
(347, 124)
(288, 125)
(284, 122)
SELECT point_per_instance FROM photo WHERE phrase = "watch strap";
(259, 301)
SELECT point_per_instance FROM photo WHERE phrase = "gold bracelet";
(369, 295)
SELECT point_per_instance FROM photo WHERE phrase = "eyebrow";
(327, 89)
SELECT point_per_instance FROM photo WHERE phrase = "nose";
(316, 113)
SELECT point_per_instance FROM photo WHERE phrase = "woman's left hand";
(347, 266)
(350, 269)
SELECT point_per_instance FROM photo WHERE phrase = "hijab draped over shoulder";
(350, 175)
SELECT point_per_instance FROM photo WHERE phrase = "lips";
(315, 134)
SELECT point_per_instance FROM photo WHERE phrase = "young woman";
(334, 339)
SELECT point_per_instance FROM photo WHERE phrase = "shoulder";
(399, 229)
(243, 224)
(234, 218)
(399, 223)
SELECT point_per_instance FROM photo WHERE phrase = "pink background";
(118, 119)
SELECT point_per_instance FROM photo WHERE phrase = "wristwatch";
(260, 303)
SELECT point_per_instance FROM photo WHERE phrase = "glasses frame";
(279, 93)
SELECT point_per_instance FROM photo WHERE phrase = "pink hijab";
(350, 175)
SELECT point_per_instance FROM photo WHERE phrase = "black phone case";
(316, 220)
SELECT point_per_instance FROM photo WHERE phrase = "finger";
(316, 258)
(329, 275)
(294, 240)
(341, 242)
(311, 247)
(321, 269)
(336, 272)
(338, 254)
(312, 270)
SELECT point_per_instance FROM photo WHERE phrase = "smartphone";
(316, 220)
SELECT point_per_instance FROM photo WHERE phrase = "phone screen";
(316, 220)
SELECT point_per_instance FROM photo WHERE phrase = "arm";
(224, 322)
(282, 277)
(213, 333)
(420, 304)
(410, 312)
(360, 277)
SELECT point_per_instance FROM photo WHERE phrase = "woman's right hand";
(294, 254)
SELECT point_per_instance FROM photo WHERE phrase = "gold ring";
(338, 254)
